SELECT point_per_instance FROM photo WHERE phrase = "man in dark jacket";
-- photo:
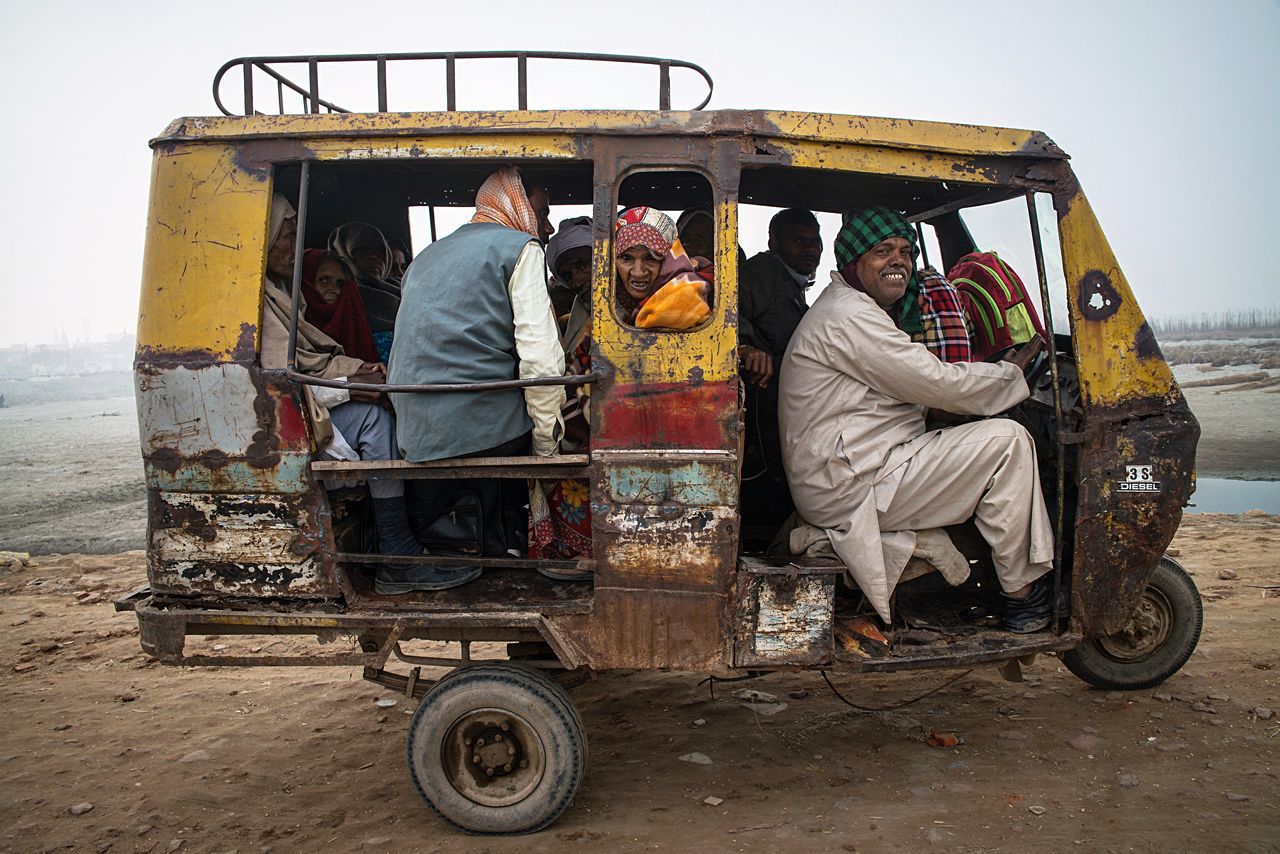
(771, 297)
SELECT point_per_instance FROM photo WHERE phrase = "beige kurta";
(854, 391)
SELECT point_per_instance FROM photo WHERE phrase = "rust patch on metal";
(257, 156)
(246, 350)
(1097, 296)
(1145, 344)
(1121, 534)
(150, 360)
(264, 450)
(784, 618)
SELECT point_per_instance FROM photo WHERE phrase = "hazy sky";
(1168, 109)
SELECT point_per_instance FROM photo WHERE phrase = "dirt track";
(219, 759)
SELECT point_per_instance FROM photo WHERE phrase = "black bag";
(459, 528)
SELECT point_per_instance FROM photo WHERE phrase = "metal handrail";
(567, 380)
(313, 103)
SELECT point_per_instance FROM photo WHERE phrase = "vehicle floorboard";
(495, 590)
(908, 649)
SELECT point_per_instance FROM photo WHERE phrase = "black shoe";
(569, 574)
(393, 580)
(1033, 613)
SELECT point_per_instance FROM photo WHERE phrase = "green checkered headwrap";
(862, 230)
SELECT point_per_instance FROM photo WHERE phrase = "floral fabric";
(560, 519)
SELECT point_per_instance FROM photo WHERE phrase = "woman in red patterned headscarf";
(659, 284)
(333, 303)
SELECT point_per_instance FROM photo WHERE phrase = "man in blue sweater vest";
(474, 308)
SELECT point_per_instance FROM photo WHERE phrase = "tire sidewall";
(1092, 664)
(527, 694)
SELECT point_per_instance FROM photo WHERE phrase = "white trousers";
(986, 469)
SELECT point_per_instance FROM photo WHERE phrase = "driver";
(859, 459)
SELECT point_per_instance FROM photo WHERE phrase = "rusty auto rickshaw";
(243, 538)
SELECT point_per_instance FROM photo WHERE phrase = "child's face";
(329, 278)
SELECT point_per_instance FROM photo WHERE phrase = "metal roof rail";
(313, 103)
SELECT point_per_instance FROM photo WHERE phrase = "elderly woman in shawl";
(347, 425)
(569, 263)
(659, 284)
(697, 232)
(365, 251)
(334, 305)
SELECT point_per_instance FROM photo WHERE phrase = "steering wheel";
(1035, 369)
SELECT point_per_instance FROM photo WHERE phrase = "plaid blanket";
(946, 331)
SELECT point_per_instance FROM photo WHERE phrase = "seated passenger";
(659, 285)
(859, 459)
(771, 302)
(560, 510)
(400, 258)
(366, 253)
(348, 425)
(475, 309)
(696, 227)
(569, 260)
(333, 304)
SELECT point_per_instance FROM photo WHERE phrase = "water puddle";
(1220, 495)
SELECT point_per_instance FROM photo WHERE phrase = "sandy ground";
(223, 759)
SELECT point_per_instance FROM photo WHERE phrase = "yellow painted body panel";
(882, 160)
(936, 136)
(823, 127)
(204, 253)
(451, 146)
(1110, 368)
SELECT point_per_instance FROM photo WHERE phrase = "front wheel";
(1160, 636)
(497, 748)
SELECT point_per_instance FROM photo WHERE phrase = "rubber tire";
(537, 699)
(1091, 662)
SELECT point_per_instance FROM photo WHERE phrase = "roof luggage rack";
(313, 103)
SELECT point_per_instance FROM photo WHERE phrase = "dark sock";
(392, 521)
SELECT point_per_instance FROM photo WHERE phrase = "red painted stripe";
(291, 428)
(666, 415)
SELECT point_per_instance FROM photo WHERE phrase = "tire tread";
(1088, 662)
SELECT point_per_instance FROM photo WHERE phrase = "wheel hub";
(1146, 631)
(492, 757)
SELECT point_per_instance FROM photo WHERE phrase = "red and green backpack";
(993, 297)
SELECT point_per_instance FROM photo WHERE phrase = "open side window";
(659, 283)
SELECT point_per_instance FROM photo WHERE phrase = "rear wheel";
(497, 748)
(1160, 636)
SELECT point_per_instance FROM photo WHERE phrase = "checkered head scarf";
(502, 200)
(644, 226)
(860, 232)
(863, 229)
